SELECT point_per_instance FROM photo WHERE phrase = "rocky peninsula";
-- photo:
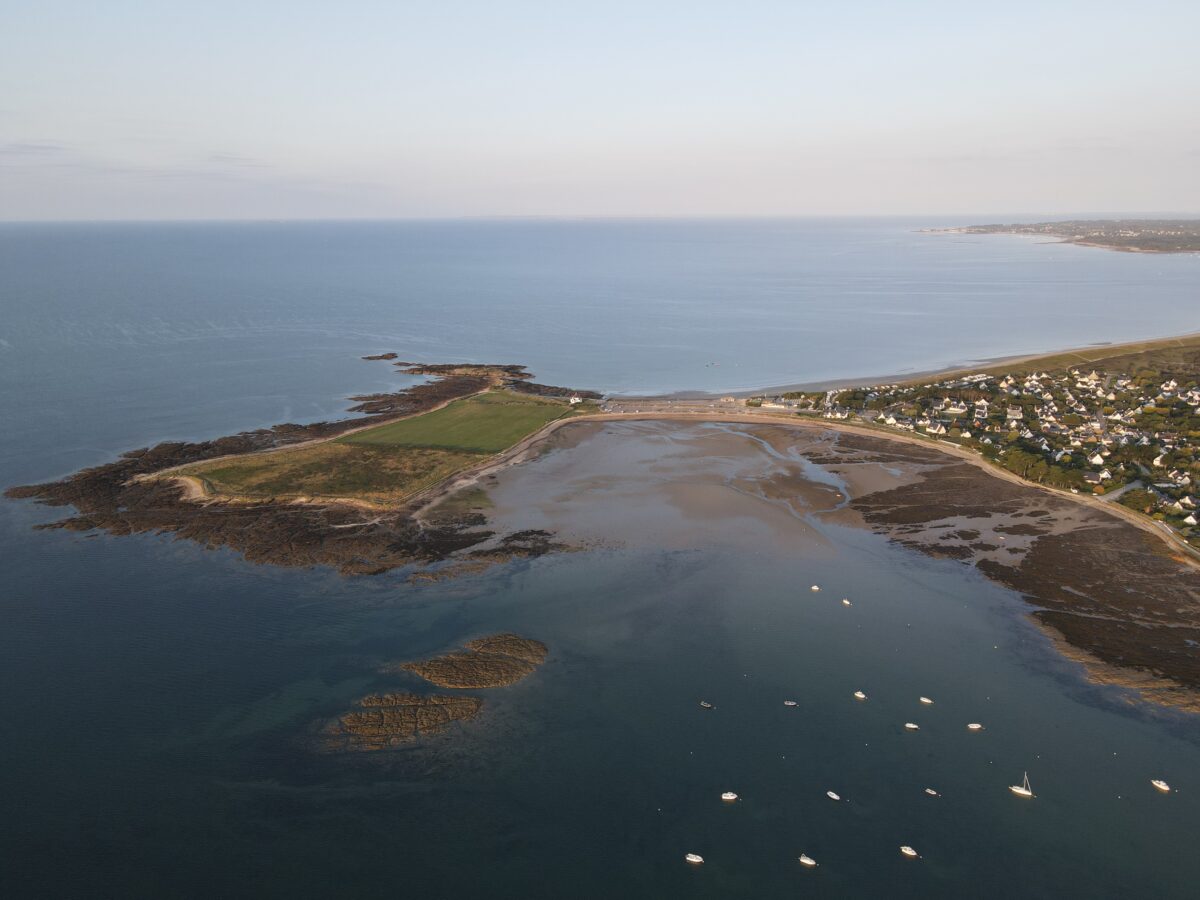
(143, 491)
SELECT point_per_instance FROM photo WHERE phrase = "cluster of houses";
(1110, 433)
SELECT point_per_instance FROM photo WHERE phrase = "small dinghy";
(909, 851)
(789, 702)
(846, 602)
(704, 704)
(1023, 789)
(912, 726)
(729, 796)
(974, 726)
(815, 588)
(832, 796)
(926, 701)
(932, 793)
(859, 695)
(694, 858)
(1161, 785)
(806, 860)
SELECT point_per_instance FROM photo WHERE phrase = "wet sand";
(1109, 593)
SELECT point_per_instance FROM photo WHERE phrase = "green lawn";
(486, 423)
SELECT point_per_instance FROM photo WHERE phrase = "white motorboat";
(789, 702)
(859, 695)
(815, 588)
(729, 796)
(806, 860)
(694, 858)
(909, 851)
(846, 602)
(926, 701)
(912, 726)
(974, 726)
(832, 796)
(932, 793)
(1161, 785)
(704, 704)
(1023, 789)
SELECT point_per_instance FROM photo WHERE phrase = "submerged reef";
(495, 661)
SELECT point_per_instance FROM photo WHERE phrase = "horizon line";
(576, 217)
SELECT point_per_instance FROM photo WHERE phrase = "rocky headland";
(127, 496)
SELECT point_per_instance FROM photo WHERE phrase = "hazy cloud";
(32, 148)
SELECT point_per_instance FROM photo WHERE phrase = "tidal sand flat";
(703, 542)
(1111, 595)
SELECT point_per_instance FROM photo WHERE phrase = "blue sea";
(159, 699)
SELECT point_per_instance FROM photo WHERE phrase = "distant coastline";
(1091, 354)
(1124, 235)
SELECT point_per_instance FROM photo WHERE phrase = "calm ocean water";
(156, 696)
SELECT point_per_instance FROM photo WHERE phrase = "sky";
(174, 109)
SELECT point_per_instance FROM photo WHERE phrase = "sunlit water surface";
(159, 700)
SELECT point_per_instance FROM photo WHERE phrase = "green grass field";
(486, 423)
(391, 462)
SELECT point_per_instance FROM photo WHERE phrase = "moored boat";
(859, 695)
(704, 704)
(912, 726)
(694, 858)
(926, 701)
(909, 851)
(729, 796)
(1023, 789)
(832, 796)
(806, 860)
(789, 702)
(1161, 785)
(932, 793)
(974, 726)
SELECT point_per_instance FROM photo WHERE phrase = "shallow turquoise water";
(158, 698)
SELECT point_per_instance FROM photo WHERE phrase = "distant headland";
(1127, 235)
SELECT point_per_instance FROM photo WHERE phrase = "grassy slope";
(486, 423)
(374, 474)
(390, 462)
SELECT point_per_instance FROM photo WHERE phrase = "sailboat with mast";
(1023, 789)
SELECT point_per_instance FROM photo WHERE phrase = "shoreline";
(988, 364)
(426, 499)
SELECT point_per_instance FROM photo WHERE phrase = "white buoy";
(909, 851)
(912, 726)
(694, 858)
(832, 796)
(806, 860)
(926, 701)
(859, 695)
(1161, 785)
(729, 796)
